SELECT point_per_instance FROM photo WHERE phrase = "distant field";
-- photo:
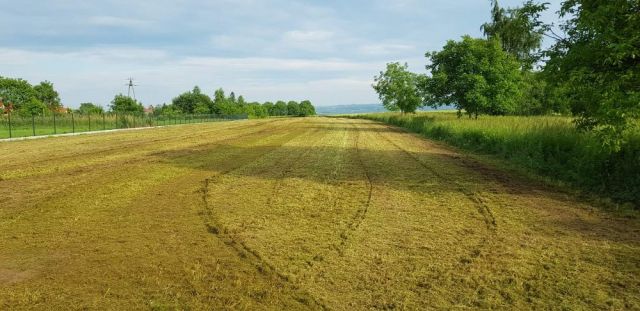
(286, 214)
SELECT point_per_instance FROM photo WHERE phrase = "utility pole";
(131, 88)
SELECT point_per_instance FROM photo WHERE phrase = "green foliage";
(218, 101)
(188, 101)
(16, 92)
(279, 109)
(45, 93)
(166, 111)
(123, 104)
(90, 108)
(307, 109)
(232, 106)
(293, 108)
(474, 75)
(397, 88)
(268, 107)
(597, 66)
(33, 107)
(519, 30)
(546, 145)
(201, 108)
(255, 110)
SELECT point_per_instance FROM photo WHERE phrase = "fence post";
(73, 124)
(89, 122)
(104, 126)
(55, 129)
(116, 120)
(33, 123)
(134, 120)
(10, 133)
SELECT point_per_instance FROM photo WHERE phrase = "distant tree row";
(592, 71)
(195, 101)
(18, 96)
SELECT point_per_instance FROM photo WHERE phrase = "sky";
(324, 51)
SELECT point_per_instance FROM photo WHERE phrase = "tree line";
(197, 102)
(591, 71)
(19, 96)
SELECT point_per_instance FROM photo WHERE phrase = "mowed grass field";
(305, 213)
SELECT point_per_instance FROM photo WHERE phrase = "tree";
(255, 110)
(32, 107)
(15, 92)
(397, 88)
(90, 108)
(188, 101)
(268, 107)
(46, 94)
(167, 111)
(279, 109)
(201, 108)
(219, 100)
(307, 109)
(598, 66)
(475, 75)
(519, 30)
(241, 102)
(293, 108)
(125, 104)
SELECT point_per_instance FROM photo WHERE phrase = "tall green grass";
(546, 145)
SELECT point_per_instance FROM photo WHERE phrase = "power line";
(131, 88)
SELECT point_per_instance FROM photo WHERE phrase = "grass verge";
(545, 145)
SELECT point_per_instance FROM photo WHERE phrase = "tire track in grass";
(120, 164)
(474, 197)
(477, 200)
(361, 213)
(216, 227)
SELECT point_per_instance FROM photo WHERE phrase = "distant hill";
(347, 109)
(360, 108)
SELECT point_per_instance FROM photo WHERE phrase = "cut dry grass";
(311, 213)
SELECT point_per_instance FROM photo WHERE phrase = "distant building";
(5, 108)
(149, 110)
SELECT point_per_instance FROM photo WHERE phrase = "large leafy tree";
(519, 30)
(598, 65)
(188, 102)
(279, 109)
(46, 94)
(268, 107)
(293, 108)
(307, 109)
(398, 89)
(474, 75)
(125, 104)
(15, 92)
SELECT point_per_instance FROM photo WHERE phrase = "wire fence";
(14, 125)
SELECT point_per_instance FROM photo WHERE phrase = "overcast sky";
(325, 51)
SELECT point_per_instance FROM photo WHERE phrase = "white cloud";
(385, 49)
(307, 36)
(273, 64)
(114, 21)
(97, 74)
